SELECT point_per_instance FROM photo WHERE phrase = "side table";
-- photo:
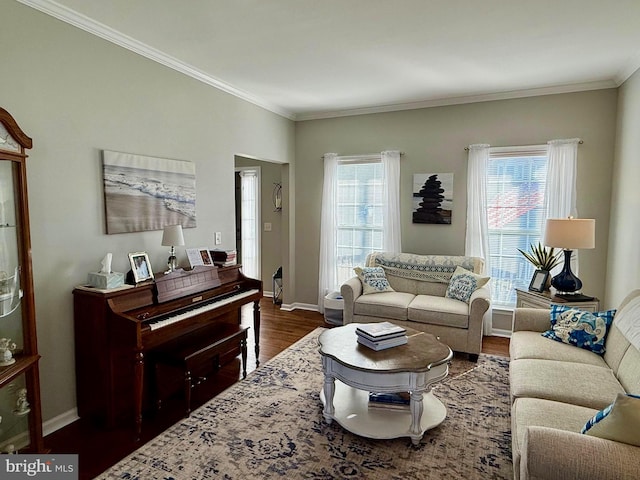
(528, 299)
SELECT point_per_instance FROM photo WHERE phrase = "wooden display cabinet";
(21, 423)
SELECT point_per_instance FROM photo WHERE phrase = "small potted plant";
(543, 258)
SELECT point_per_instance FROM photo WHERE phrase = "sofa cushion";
(627, 320)
(619, 422)
(463, 283)
(629, 371)
(439, 311)
(385, 305)
(525, 344)
(617, 345)
(417, 287)
(580, 328)
(569, 382)
(527, 412)
(373, 279)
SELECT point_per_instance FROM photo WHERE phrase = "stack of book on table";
(393, 401)
(382, 335)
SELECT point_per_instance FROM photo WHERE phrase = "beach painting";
(146, 193)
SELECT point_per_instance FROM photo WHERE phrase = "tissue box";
(106, 280)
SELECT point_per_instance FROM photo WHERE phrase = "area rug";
(270, 425)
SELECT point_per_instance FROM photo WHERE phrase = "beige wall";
(76, 94)
(270, 242)
(433, 140)
(623, 266)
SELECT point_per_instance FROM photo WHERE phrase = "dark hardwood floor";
(99, 448)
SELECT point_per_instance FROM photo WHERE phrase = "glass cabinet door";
(11, 336)
(14, 416)
(20, 413)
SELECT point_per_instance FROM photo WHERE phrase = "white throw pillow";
(373, 279)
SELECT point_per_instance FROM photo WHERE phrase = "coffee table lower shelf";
(353, 413)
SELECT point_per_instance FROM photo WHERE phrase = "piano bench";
(189, 353)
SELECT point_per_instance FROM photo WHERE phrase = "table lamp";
(172, 236)
(569, 234)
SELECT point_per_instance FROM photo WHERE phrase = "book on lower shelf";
(393, 401)
(380, 331)
(383, 344)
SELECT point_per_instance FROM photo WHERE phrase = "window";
(516, 178)
(250, 221)
(359, 214)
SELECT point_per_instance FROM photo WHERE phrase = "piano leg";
(243, 355)
(137, 391)
(256, 328)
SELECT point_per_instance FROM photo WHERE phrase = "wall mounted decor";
(276, 197)
(432, 198)
(146, 193)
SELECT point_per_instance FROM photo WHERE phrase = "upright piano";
(115, 329)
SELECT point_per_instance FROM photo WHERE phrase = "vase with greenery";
(543, 258)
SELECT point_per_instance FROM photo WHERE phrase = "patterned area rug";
(270, 425)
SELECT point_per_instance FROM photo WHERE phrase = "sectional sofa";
(556, 388)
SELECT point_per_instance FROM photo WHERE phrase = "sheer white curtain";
(560, 190)
(328, 271)
(328, 280)
(249, 209)
(392, 233)
(477, 237)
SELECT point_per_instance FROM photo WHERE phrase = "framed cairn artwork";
(432, 198)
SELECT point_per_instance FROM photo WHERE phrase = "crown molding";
(631, 67)
(98, 29)
(442, 102)
(89, 25)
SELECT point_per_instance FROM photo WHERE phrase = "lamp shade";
(172, 236)
(570, 233)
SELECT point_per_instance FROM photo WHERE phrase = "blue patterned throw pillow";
(619, 422)
(463, 283)
(580, 328)
(373, 279)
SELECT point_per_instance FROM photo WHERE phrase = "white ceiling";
(320, 58)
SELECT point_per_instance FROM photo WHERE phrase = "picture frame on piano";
(140, 267)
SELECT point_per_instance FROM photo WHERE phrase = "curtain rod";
(365, 155)
(466, 149)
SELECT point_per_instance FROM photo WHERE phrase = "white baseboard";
(62, 420)
(498, 332)
(288, 307)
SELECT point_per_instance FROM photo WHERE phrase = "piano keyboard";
(215, 303)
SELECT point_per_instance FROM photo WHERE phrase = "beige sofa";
(418, 300)
(556, 388)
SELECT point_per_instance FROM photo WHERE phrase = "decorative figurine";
(7, 348)
(22, 406)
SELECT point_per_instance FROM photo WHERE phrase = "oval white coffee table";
(412, 368)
